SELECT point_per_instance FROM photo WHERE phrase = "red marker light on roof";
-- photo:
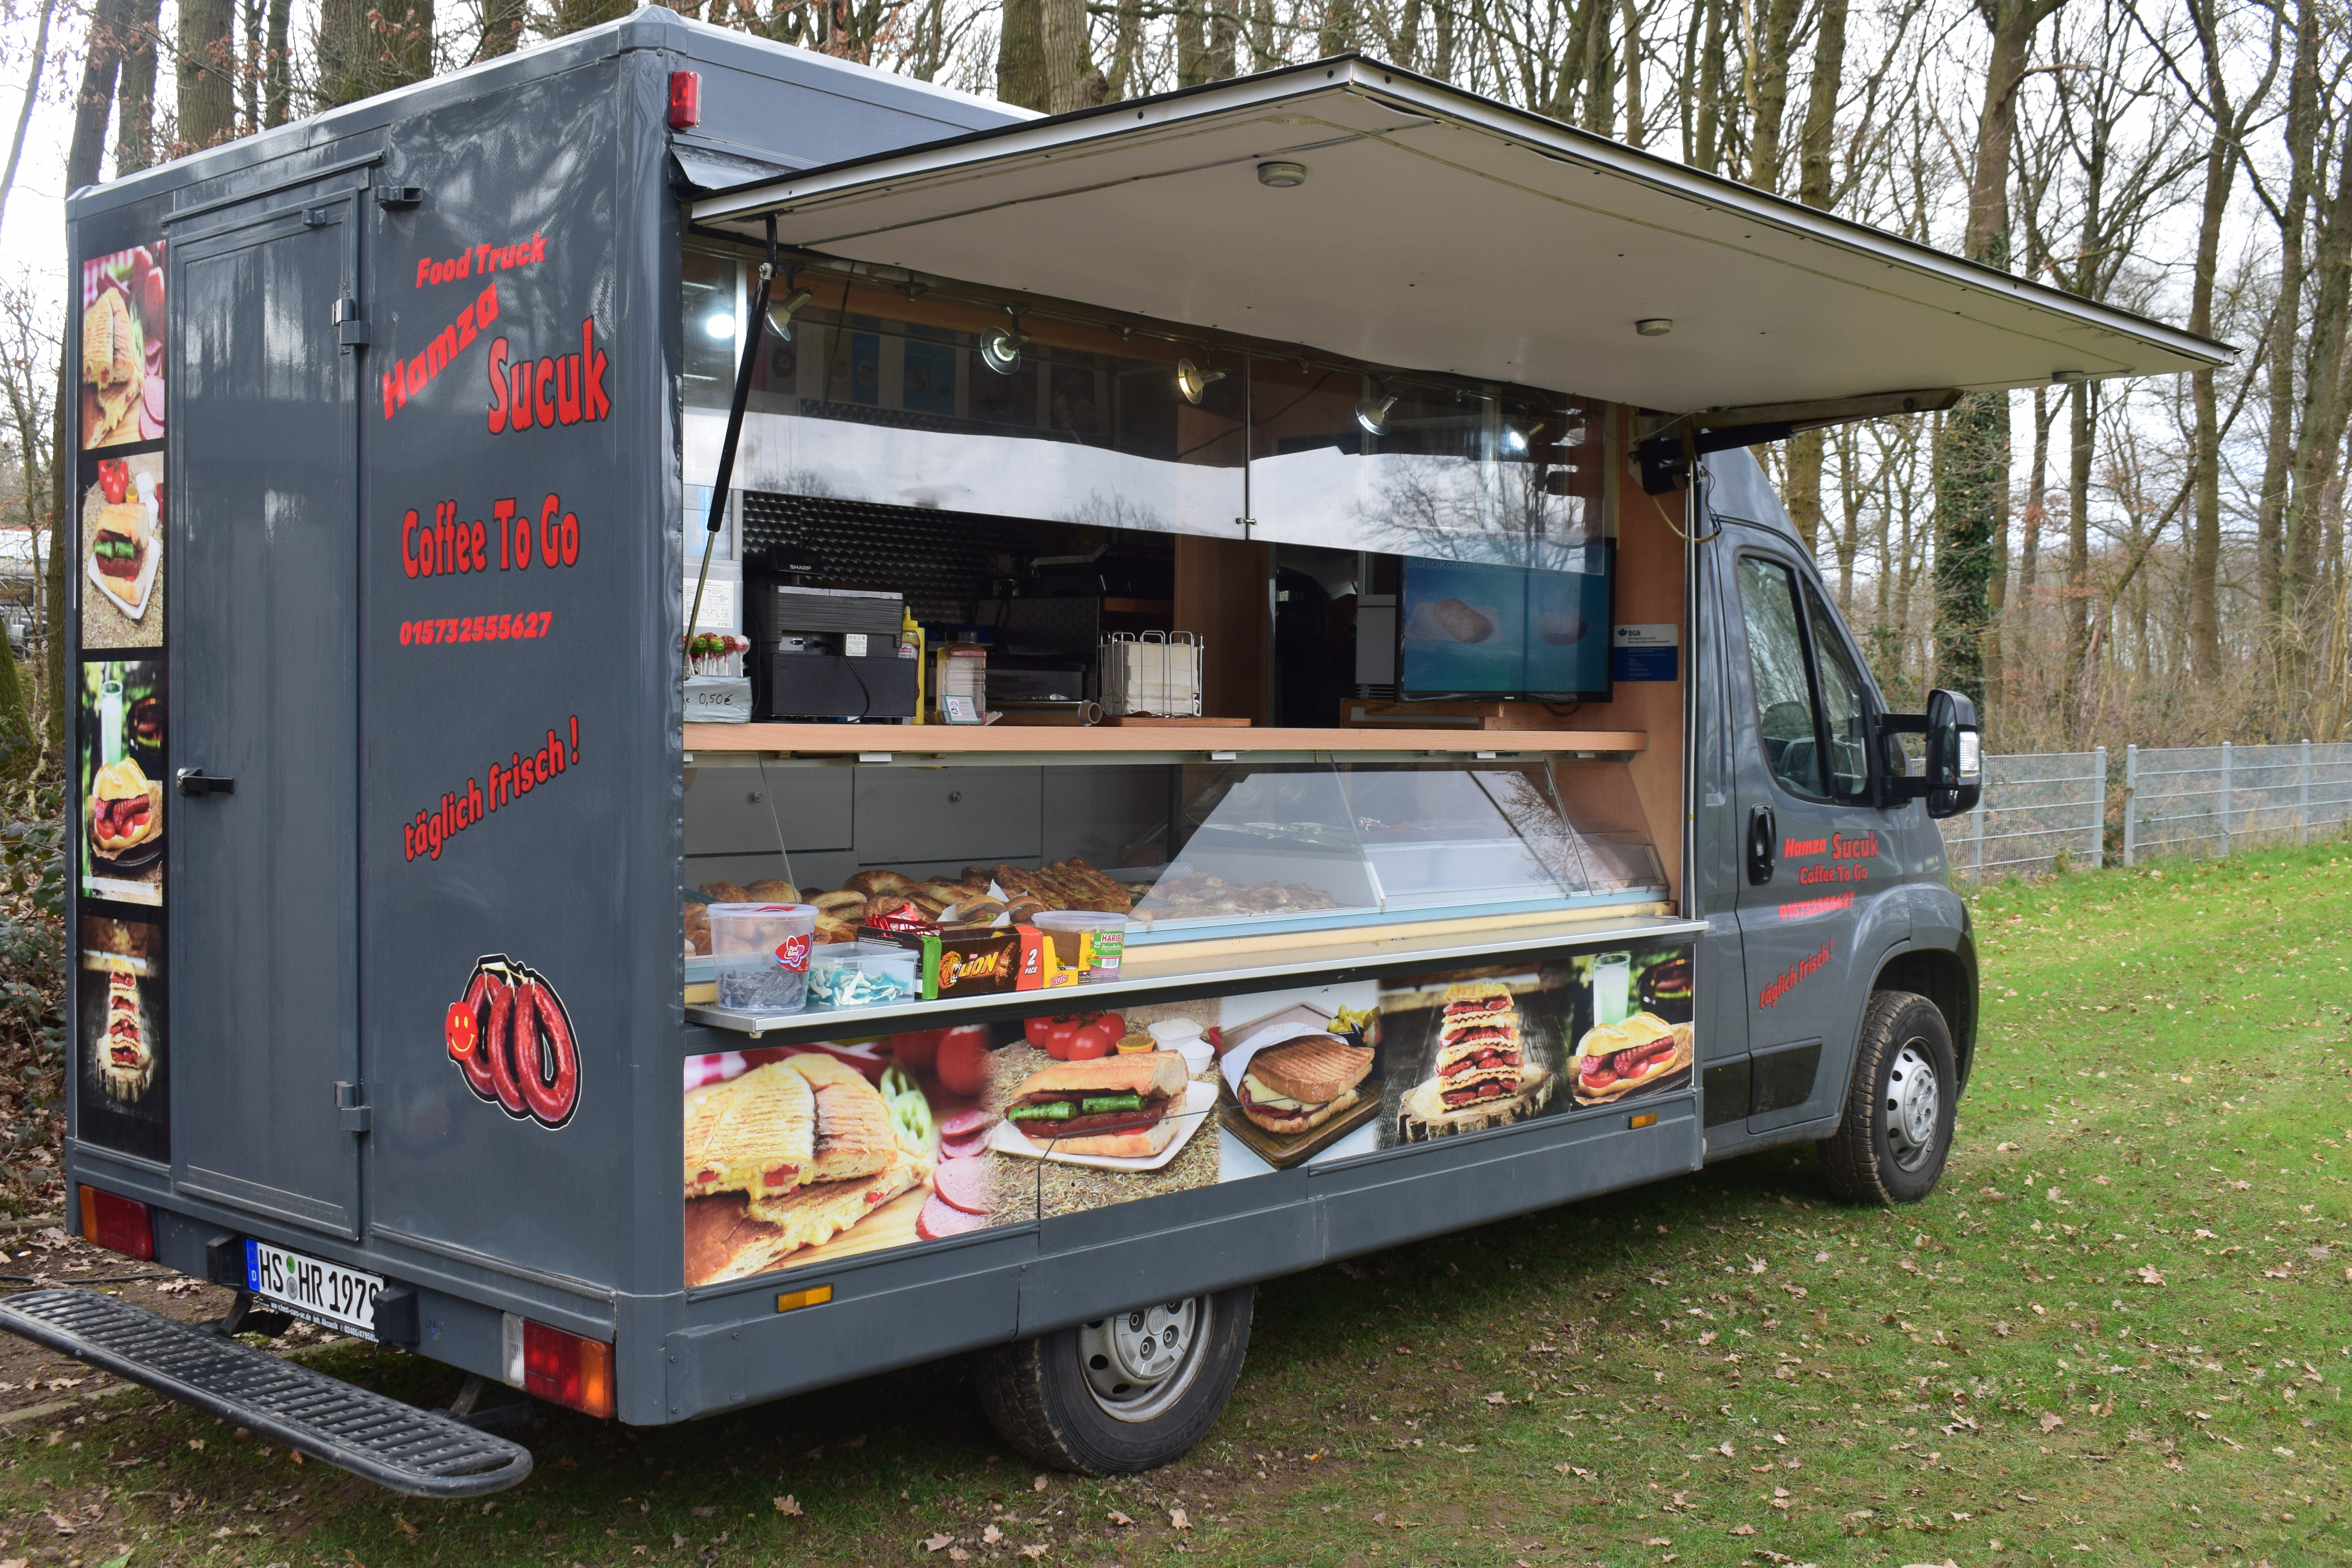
(685, 100)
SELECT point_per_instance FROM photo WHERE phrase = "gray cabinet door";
(262, 887)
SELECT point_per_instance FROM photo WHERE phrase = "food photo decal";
(511, 1036)
(123, 322)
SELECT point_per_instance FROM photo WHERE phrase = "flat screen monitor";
(1468, 629)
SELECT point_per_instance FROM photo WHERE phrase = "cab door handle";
(1760, 844)
(195, 781)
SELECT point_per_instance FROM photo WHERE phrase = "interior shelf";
(924, 740)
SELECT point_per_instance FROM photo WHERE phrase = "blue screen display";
(1468, 629)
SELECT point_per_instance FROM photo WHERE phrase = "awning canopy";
(1440, 231)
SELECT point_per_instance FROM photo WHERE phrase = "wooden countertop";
(918, 740)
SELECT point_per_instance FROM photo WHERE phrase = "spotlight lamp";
(1517, 441)
(1000, 348)
(1373, 410)
(780, 311)
(1193, 382)
(719, 324)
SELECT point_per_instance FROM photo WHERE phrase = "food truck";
(739, 720)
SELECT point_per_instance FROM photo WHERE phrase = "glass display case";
(1196, 850)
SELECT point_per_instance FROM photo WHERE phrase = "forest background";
(2103, 561)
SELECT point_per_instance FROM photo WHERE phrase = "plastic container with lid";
(1093, 940)
(863, 974)
(1183, 1035)
(761, 953)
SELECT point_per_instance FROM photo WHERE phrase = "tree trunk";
(1442, 66)
(134, 121)
(1127, 46)
(1972, 477)
(502, 23)
(1767, 92)
(208, 70)
(1803, 486)
(1020, 55)
(1708, 138)
(2205, 524)
(1636, 132)
(1071, 81)
(2320, 433)
(1224, 37)
(1600, 71)
(2286, 325)
(2081, 429)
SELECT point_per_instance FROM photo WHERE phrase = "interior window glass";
(1776, 655)
(1841, 695)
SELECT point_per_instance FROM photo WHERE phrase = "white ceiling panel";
(1440, 231)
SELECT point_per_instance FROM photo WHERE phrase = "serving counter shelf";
(914, 743)
(1176, 972)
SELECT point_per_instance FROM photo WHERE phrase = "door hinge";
(350, 330)
(351, 1103)
(317, 217)
(391, 196)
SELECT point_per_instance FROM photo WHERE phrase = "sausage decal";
(510, 1035)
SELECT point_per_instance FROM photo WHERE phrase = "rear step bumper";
(395, 1445)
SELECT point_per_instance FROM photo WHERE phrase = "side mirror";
(1955, 777)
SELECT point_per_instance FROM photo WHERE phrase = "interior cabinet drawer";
(728, 810)
(972, 815)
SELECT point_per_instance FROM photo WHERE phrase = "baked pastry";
(871, 883)
(854, 1129)
(109, 349)
(1300, 1084)
(725, 893)
(831, 928)
(727, 1237)
(753, 1134)
(770, 890)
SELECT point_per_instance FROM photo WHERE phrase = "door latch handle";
(1760, 844)
(356, 1114)
(195, 781)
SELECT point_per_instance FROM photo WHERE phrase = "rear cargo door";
(264, 560)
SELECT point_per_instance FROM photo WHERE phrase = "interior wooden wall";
(1221, 587)
(1650, 589)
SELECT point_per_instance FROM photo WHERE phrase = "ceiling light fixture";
(1192, 381)
(719, 324)
(1372, 409)
(2068, 377)
(1000, 348)
(780, 311)
(1282, 174)
(1655, 326)
(1517, 441)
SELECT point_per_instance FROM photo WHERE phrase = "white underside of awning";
(1440, 231)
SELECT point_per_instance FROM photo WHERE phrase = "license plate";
(312, 1288)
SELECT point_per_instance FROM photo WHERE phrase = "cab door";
(1811, 835)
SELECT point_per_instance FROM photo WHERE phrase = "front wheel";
(1123, 1393)
(1899, 1107)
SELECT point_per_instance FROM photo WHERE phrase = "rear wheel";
(1126, 1392)
(1897, 1130)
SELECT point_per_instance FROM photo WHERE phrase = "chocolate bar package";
(958, 961)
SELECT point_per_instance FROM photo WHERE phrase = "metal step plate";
(392, 1444)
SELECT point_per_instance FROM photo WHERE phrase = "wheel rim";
(1914, 1102)
(1141, 1362)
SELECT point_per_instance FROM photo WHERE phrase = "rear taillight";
(117, 1224)
(551, 1364)
(685, 100)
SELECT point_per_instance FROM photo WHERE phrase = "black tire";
(1883, 1153)
(1038, 1394)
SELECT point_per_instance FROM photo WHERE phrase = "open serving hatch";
(1431, 228)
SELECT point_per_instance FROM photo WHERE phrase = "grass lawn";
(2119, 1333)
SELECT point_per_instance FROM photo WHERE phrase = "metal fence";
(2049, 811)
(2208, 800)
(2040, 811)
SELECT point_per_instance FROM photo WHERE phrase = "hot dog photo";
(1635, 1033)
(120, 781)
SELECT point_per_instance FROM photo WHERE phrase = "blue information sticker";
(1644, 651)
